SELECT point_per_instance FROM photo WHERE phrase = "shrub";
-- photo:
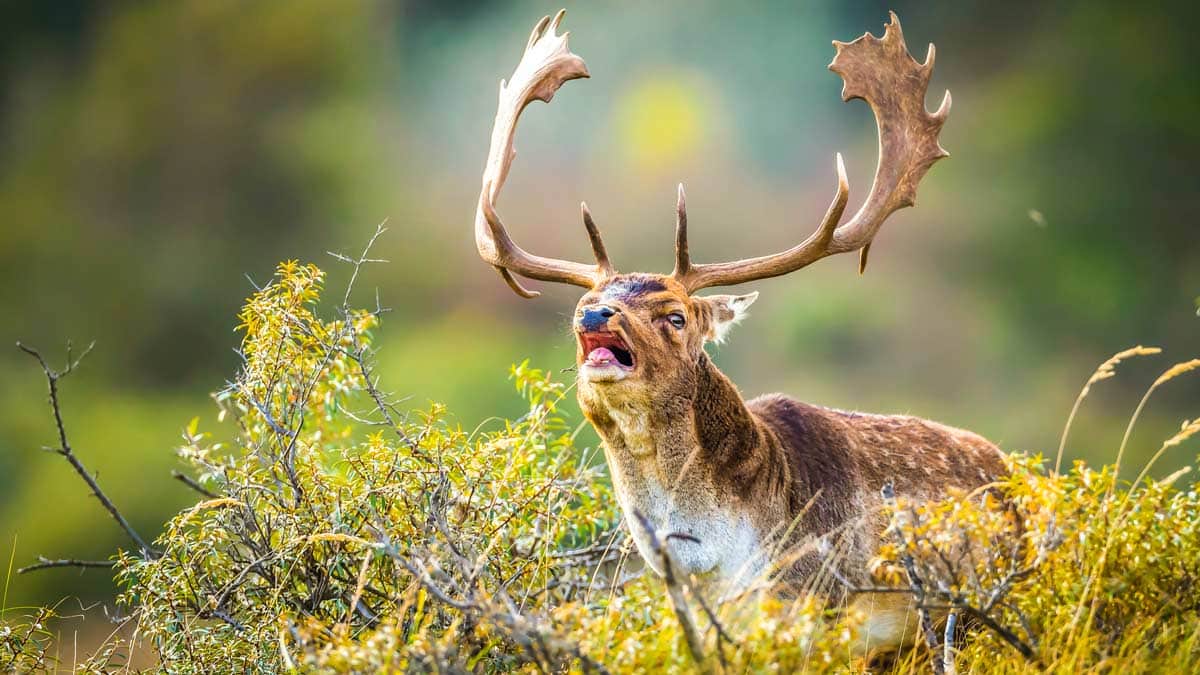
(336, 531)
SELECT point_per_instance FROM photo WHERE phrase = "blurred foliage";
(156, 154)
(336, 533)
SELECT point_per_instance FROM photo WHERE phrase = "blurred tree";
(190, 132)
(155, 153)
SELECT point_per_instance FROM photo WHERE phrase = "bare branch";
(1004, 633)
(715, 620)
(915, 581)
(64, 448)
(359, 262)
(675, 590)
(223, 616)
(46, 563)
(948, 651)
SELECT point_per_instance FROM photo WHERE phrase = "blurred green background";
(158, 156)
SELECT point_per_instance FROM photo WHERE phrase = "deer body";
(744, 478)
(739, 487)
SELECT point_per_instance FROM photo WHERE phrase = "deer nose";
(595, 318)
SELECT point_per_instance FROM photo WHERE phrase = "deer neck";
(725, 429)
(667, 453)
(699, 417)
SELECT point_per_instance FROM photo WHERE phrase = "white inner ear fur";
(728, 310)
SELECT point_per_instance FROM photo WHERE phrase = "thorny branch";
(359, 356)
(359, 262)
(64, 446)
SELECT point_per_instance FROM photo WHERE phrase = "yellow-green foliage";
(330, 530)
(344, 532)
(26, 640)
(1087, 577)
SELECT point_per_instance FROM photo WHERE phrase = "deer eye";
(676, 320)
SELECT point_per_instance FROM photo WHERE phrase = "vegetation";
(334, 530)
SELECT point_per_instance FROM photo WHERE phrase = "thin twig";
(46, 563)
(194, 484)
(722, 634)
(362, 259)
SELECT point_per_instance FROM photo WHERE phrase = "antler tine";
(598, 249)
(697, 276)
(546, 64)
(881, 72)
(683, 261)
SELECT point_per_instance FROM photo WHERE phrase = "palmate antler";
(882, 73)
(545, 66)
(877, 70)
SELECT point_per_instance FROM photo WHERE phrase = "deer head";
(640, 334)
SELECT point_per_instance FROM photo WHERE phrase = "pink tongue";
(600, 356)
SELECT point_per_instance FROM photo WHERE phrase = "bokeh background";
(160, 157)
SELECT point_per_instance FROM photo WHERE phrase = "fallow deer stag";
(746, 479)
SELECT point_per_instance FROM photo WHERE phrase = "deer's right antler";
(881, 72)
(545, 66)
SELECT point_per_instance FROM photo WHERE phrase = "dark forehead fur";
(629, 286)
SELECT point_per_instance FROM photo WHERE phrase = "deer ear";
(727, 311)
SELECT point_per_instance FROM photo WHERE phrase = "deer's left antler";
(546, 64)
(884, 74)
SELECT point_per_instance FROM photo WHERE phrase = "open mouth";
(602, 348)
